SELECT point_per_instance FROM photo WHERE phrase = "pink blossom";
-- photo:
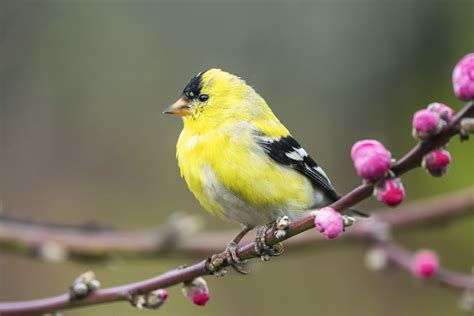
(463, 78)
(425, 263)
(437, 162)
(444, 111)
(390, 191)
(426, 123)
(200, 298)
(329, 222)
(371, 159)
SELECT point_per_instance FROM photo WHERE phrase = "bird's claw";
(262, 248)
(233, 259)
(214, 264)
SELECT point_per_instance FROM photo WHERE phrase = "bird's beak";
(180, 108)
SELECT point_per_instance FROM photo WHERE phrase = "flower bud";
(329, 222)
(463, 78)
(390, 191)
(151, 300)
(155, 299)
(197, 291)
(83, 285)
(444, 111)
(426, 123)
(425, 264)
(436, 162)
(281, 225)
(200, 299)
(371, 159)
(94, 285)
(79, 290)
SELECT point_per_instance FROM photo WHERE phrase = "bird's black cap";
(193, 88)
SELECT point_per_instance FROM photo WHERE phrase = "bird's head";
(216, 95)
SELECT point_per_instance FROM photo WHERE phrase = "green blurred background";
(82, 87)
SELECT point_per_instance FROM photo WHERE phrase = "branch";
(403, 258)
(56, 242)
(173, 277)
(97, 242)
(439, 208)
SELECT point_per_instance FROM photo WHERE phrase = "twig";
(79, 242)
(403, 258)
(408, 162)
(86, 242)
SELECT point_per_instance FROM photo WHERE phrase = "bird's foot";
(214, 264)
(233, 259)
(279, 228)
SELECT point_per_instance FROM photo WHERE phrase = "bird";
(240, 162)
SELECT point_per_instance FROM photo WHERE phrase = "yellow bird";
(240, 161)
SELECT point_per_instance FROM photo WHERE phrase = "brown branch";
(408, 162)
(86, 242)
(417, 213)
(403, 258)
(80, 242)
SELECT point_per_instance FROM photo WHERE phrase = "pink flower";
(390, 191)
(425, 263)
(444, 111)
(371, 159)
(426, 123)
(197, 291)
(436, 162)
(200, 298)
(329, 222)
(463, 78)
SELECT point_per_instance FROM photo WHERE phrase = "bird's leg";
(279, 229)
(231, 251)
(230, 255)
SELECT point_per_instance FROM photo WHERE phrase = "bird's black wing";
(288, 152)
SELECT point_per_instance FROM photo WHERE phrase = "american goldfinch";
(240, 161)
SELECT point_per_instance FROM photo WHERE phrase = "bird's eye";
(203, 97)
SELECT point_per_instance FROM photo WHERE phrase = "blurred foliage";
(83, 84)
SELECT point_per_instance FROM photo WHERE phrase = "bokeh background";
(82, 87)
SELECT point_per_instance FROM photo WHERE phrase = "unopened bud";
(426, 123)
(79, 290)
(390, 191)
(197, 291)
(445, 112)
(329, 222)
(436, 162)
(371, 159)
(463, 78)
(425, 264)
(281, 225)
(83, 285)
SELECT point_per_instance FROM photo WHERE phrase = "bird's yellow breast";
(232, 177)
